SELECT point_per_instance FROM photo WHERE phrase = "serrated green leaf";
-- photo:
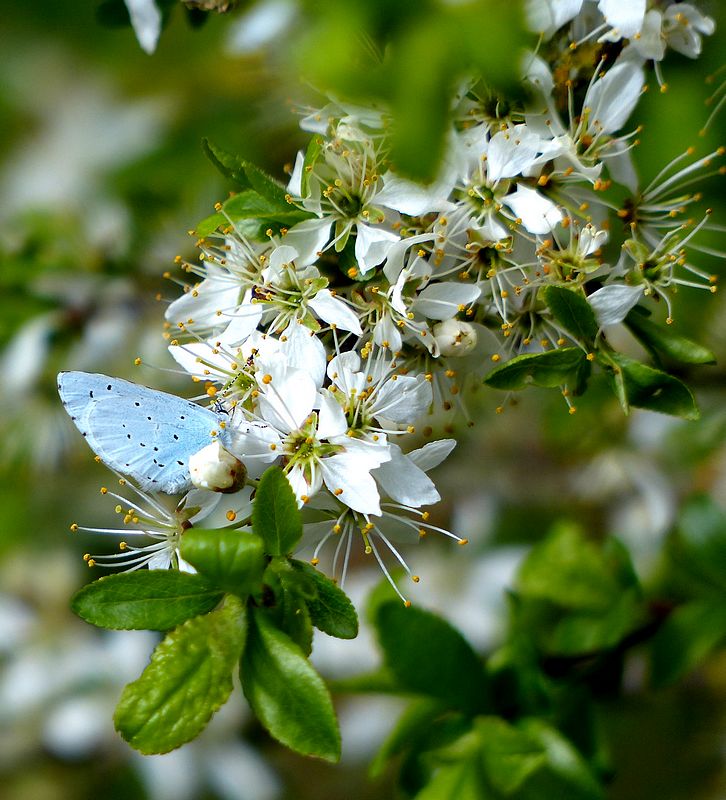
(663, 340)
(330, 608)
(645, 387)
(228, 164)
(572, 312)
(155, 600)
(188, 679)
(266, 185)
(275, 515)
(234, 560)
(549, 369)
(509, 755)
(286, 693)
(568, 570)
(685, 639)
(252, 205)
(429, 656)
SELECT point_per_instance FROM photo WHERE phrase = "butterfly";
(140, 432)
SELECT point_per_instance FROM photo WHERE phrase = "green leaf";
(188, 679)
(228, 164)
(209, 225)
(588, 632)
(286, 693)
(685, 639)
(275, 516)
(459, 781)
(405, 733)
(569, 571)
(700, 542)
(234, 560)
(154, 600)
(418, 139)
(312, 154)
(267, 186)
(642, 386)
(572, 312)
(566, 775)
(290, 612)
(549, 369)
(509, 755)
(663, 340)
(428, 656)
(330, 608)
(252, 205)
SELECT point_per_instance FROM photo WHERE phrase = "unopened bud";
(216, 469)
(455, 338)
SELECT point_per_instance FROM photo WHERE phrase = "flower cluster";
(331, 318)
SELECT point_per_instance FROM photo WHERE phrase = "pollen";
(231, 515)
(267, 378)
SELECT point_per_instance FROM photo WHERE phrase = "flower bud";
(455, 338)
(216, 469)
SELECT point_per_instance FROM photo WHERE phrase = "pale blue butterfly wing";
(140, 432)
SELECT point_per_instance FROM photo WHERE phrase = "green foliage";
(275, 517)
(663, 341)
(154, 600)
(234, 560)
(570, 310)
(407, 57)
(428, 656)
(330, 609)
(260, 587)
(693, 630)
(576, 596)
(549, 369)
(286, 693)
(188, 679)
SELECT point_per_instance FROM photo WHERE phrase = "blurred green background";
(101, 175)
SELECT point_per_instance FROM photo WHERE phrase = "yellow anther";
(104, 490)
(415, 578)
(231, 515)
(496, 357)
(74, 527)
(267, 378)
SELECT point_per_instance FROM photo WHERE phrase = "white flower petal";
(612, 98)
(304, 351)
(611, 304)
(432, 454)
(309, 239)
(625, 16)
(372, 246)
(146, 22)
(350, 471)
(201, 360)
(217, 292)
(414, 198)
(443, 300)
(538, 213)
(287, 403)
(403, 399)
(332, 421)
(404, 482)
(335, 311)
(511, 152)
